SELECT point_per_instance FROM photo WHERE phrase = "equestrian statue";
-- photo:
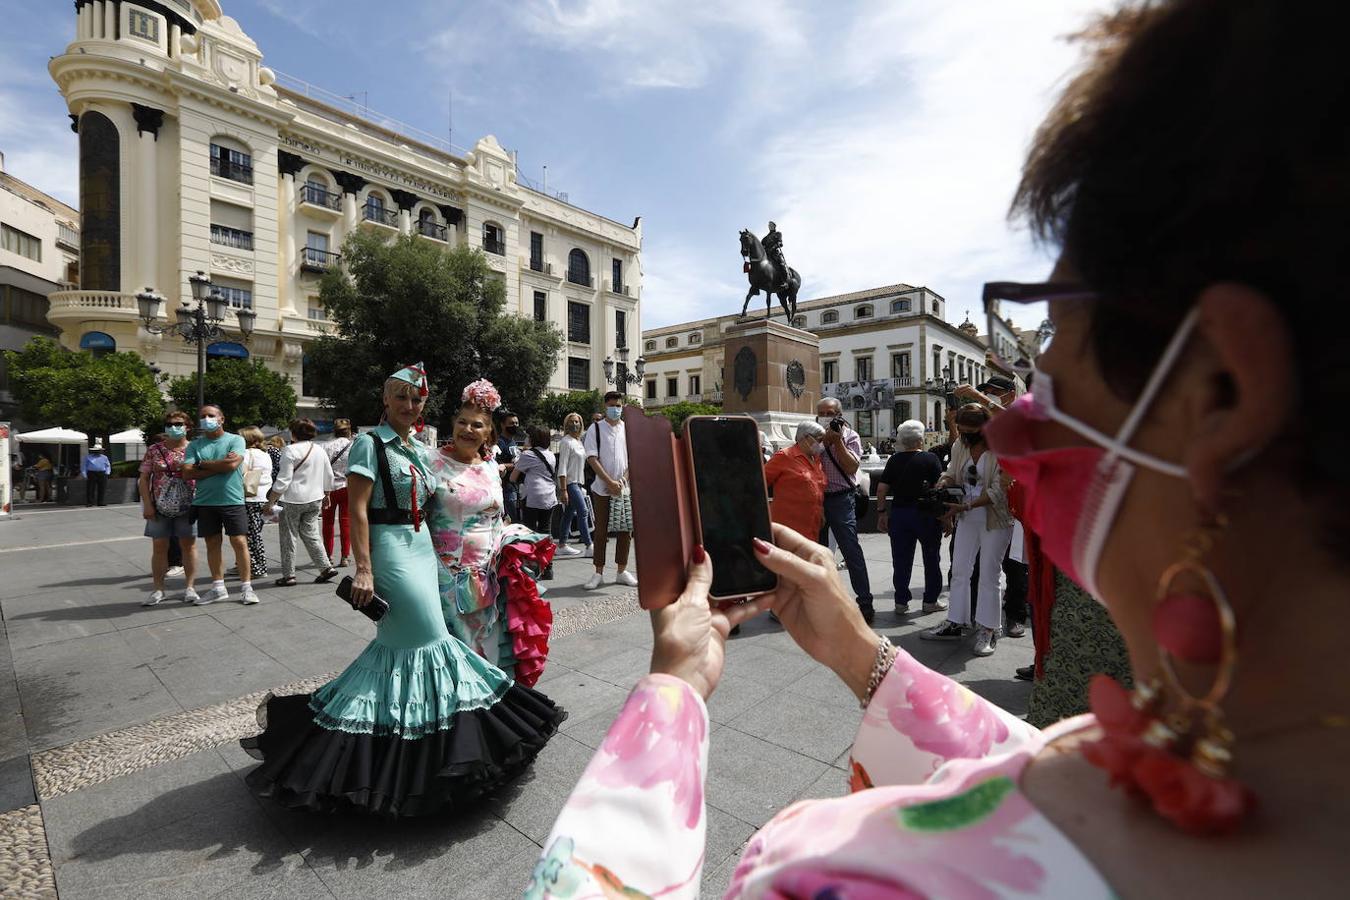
(769, 272)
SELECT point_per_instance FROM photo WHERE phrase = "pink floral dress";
(936, 809)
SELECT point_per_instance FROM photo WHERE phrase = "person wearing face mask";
(607, 453)
(215, 459)
(163, 487)
(911, 474)
(509, 440)
(572, 488)
(983, 531)
(840, 461)
(795, 477)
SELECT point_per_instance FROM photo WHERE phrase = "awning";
(54, 436)
(130, 436)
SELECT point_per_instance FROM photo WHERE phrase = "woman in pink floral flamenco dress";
(487, 568)
(1180, 456)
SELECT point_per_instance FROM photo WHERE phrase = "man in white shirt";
(607, 453)
(302, 485)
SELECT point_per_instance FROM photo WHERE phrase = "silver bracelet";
(882, 665)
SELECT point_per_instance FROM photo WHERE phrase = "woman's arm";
(359, 490)
(282, 481)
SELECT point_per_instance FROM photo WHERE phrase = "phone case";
(658, 473)
(374, 610)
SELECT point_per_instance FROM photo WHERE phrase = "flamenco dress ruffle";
(529, 618)
(401, 732)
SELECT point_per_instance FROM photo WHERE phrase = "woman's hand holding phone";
(689, 636)
(812, 605)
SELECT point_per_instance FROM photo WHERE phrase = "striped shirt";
(835, 480)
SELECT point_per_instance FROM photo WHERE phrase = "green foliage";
(247, 391)
(127, 468)
(99, 395)
(551, 409)
(407, 300)
(678, 412)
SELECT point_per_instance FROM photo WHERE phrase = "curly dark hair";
(1208, 141)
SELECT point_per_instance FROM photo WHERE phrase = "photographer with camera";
(842, 457)
(912, 516)
(983, 531)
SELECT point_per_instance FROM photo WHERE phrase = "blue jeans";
(576, 510)
(511, 500)
(841, 518)
(907, 527)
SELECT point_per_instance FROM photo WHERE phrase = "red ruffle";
(529, 618)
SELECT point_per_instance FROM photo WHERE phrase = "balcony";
(231, 237)
(378, 215)
(494, 245)
(903, 381)
(69, 309)
(231, 170)
(319, 197)
(581, 278)
(429, 229)
(315, 260)
(621, 289)
(67, 237)
(538, 265)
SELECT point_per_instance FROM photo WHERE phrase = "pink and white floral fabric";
(936, 810)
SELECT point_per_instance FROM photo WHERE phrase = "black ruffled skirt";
(309, 766)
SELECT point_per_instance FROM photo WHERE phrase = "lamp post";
(619, 376)
(196, 322)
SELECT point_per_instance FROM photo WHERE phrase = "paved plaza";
(120, 775)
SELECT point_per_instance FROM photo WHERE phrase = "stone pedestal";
(771, 371)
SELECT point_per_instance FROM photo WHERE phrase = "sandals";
(326, 575)
(286, 581)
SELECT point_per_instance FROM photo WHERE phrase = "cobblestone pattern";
(25, 865)
(63, 770)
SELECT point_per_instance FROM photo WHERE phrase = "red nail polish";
(760, 547)
(699, 555)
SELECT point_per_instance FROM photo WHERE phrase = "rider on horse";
(773, 249)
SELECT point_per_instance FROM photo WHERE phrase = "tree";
(553, 408)
(247, 392)
(99, 395)
(407, 301)
(678, 412)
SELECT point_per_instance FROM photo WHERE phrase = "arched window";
(231, 159)
(427, 226)
(799, 322)
(98, 343)
(672, 342)
(829, 317)
(696, 338)
(579, 268)
(494, 238)
(900, 306)
(377, 210)
(863, 312)
(650, 345)
(318, 190)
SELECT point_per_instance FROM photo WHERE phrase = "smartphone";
(374, 610)
(731, 502)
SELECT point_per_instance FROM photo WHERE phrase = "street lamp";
(622, 377)
(196, 322)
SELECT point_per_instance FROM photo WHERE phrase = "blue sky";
(885, 138)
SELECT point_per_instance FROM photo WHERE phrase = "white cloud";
(680, 283)
(35, 133)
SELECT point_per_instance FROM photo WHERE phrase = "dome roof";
(968, 327)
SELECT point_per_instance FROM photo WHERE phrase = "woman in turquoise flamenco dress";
(418, 723)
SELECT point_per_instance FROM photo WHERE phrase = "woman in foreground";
(418, 723)
(1180, 456)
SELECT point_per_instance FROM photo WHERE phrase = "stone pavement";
(120, 775)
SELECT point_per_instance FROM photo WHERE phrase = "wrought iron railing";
(318, 195)
(318, 260)
(231, 237)
(380, 215)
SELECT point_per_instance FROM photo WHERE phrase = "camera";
(934, 501)
(838, 423)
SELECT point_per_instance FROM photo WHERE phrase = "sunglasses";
(972, 475)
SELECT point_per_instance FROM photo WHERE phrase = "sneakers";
(174, 571)
(211, 596)
(566, 552)
(936, 606)
(626, 577)
(594, 582)
(947, 631)
(248, 597)
(985, 641)
(1015, 630)
(1024, 673)
(868, 612)
(154, 599)
(190, 596)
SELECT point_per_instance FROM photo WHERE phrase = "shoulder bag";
(556, 512)
(174, 497)
(252, 477)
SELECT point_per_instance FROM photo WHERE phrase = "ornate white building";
(886, 353)
(195, 156)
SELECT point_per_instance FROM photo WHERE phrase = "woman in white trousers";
(984, 528)
(302, 485)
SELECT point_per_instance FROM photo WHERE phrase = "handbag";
(556, 511)
(621, 512)
(252, 478)
(861, 501)
(174, 497)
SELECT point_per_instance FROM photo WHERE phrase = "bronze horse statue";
(760, 270)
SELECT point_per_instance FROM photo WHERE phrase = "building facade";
(39, 255)
(196, 156)
(886, 353)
